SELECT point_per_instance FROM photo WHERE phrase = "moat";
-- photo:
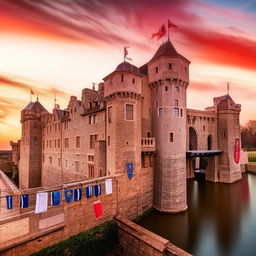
(221, 219)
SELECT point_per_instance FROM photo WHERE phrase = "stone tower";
(228, 133)
(122, 91)
(168, 73)
(30, 164)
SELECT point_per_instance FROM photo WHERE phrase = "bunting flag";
(9, 200)
(41, 202)
(171, 25)
(89, 191)
(69, 195)
(160, 33)
(77, 194)
(108, 186)
(97, 189)
(97, 209)
(55, 198)
(24, 201)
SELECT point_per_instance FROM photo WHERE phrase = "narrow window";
(58, 143)
(122, 78)
(175, 112)
(204, 128)
(160, 112)
(90, 119)
(177, 88)
(50, 143)
(66, 143)
(156, 69)
(170, 66)
(176, 103)
(109, 114)
(166, 88)
(108, 140)
(129, 111)
(171, 137)
(77, 166)
(78, 142)
(133, 81)
(181, 112)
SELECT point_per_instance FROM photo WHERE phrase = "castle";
(137, 120)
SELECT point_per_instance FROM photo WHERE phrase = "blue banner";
(77, 194)
(69, 195)
(89, 191)
(55, 198)
(9, 202)
(97, 189)
(24, 201)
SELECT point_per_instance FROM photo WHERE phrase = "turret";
(229, 138)
(122, 90)
(30, 164)
(168, 74)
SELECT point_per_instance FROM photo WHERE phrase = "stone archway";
(192, 139)
(209, 142)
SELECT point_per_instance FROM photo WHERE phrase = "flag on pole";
(126, 54)
(9, 200)
(69, 195)
(171, 25)
(24, 201)
(97, 209)
(56, 106)
(41, 202)
(55, 198)
(89, 191)
(77, 194)
(32, 92)
(161, 32)
(97, 189)
(108, 186)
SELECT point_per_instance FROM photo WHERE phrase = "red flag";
(171, 25)
(31, 92)
(160, 33)
(97, 209)
(126, 54)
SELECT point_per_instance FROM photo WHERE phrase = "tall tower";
(168, 73)
(122, 91)
(30, 164)
(229, 138)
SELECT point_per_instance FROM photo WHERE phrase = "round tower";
(168, 74)
(122, 91)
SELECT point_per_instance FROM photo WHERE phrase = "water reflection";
(221, 219)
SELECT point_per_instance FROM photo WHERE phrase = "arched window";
(192, 139)
(209, 142)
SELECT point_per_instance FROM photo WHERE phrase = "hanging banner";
(130, 170)
(97, 209)
(237, 151)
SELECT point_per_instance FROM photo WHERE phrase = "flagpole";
(228, 88)
(30, 96)
(168, 30)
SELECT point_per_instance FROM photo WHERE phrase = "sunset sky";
(62, 46)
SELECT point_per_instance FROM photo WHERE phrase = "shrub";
(98, 241)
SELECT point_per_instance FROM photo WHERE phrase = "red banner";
(97, 209)
(237, 151)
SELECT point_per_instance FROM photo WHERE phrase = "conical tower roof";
(36, 106)
(165, 49)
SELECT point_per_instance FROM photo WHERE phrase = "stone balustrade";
(148, 144)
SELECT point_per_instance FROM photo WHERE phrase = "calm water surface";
(221, 219)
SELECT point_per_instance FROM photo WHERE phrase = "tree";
(248, 135)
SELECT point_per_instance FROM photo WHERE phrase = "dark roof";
(165, 49)
(35, 106)
(224, 102)
(126, 66)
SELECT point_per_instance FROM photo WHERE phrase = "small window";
(78, 142)
(93, 138)
(90, 119)
(91, 170)
(108, 140)
(77, 166)
(35, 140)
(122, 77)
(175, 112)
(177, 89)
(204, 128)
(133, 81)
(181, 112)
(109, 114)
(129, 112)
(171, 137)
(170, 65)
(166, 88)
(66, 143)
(156, 69)
(160, 112)
(176, 103)
(50, 142)
(58, 143)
